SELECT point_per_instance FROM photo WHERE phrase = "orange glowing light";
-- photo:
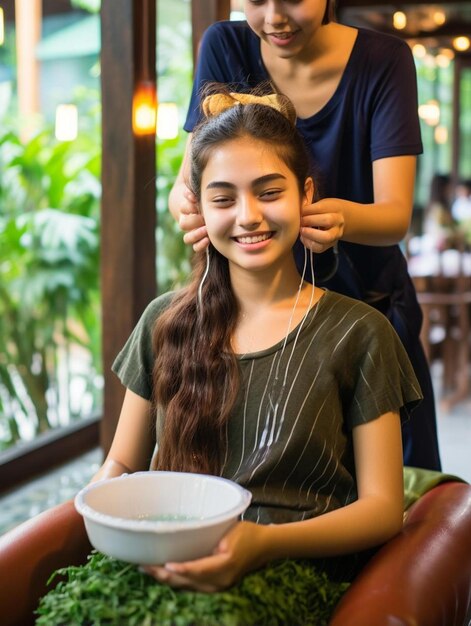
(144, 109)
(461, 44)
(399, 20)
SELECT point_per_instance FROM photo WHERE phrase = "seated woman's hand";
(322, 224)
(239, 551)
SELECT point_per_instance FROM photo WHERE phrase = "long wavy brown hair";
(196, 376)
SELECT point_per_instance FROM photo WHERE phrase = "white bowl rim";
(158, 526)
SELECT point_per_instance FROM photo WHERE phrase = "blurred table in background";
(443, 282)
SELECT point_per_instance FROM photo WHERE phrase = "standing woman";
(355, 96)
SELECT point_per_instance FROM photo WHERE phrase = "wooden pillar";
(128, 214)
(203, 14)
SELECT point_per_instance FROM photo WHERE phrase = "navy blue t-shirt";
(372, 115)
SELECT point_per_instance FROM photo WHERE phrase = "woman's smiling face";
(251, 203)
(286, 26)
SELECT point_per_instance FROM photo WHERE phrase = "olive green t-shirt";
(289, 438)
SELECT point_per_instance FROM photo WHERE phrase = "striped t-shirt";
(289, 438)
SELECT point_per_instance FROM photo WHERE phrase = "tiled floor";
(46, 491)
(454, 432)
(454, 435)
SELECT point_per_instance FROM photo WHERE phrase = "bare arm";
(132, 443)
(371, 520)
(383, 223)
(184, 207)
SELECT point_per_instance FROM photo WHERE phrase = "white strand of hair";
(200, 287)
(271, 432)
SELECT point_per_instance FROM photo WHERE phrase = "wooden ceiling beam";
(378, 16)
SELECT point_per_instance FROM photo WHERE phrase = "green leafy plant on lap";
(109, 592)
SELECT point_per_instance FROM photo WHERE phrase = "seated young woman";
(252, 373)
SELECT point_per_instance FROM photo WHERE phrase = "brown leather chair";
(422, 577)
(31, 552)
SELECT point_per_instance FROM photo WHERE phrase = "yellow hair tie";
(219, 102)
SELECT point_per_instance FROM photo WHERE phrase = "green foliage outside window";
(436, 84)
(50, 332)
(49, 292)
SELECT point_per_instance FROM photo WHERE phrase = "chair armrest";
(423, 575)
(31, 552)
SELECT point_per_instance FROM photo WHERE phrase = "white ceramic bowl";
(152, 518)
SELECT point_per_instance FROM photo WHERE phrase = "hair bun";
(216, 103)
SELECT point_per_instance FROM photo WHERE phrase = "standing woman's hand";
(322, 224)
(192, 222)
(183, 205)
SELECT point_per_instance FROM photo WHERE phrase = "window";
(50, 360)
(464, 166)
(435, 88)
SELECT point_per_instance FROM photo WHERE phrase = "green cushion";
(418, 481)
